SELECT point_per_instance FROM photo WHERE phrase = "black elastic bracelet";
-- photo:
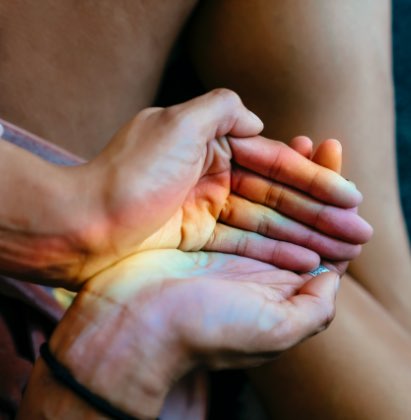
(63, 375)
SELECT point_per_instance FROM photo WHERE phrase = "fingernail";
(1, 130)
(320, 269)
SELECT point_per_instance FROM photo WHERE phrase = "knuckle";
(227, 211)
(313, 182)
(320, 216)
(178, 118)
(242, 246)
(237, 178)
(276, 253)
(147, 113)
(277, 162)
(275, 196)
(227, 95)
(169, 115)
(328, 315)
(264, 225)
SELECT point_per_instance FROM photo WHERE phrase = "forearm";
(46, 216)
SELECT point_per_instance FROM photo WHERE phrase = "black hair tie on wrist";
(64, 376)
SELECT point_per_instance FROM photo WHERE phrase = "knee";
(287, 47)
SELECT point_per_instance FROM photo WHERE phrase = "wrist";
(51, 230)
(39, 219)
(130, 370)
(45, 397)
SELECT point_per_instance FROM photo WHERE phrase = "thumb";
(323, 286)
(216, 114)
(313, 308)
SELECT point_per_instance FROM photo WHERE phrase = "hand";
(144, 192)
(139, 326)
(160, 160)
(157, 196)
(247, 228)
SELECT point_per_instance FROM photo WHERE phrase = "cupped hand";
(282, 194)
(181, 191)
(168, 181)
(161, 159)
(136, 328)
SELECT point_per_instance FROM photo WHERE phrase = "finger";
(216, 114)
(280, 163)
(283, 255)
(248, 216)
(339, 267)
(333, 221)
(329, 155)
(302, 145)
(311, 310)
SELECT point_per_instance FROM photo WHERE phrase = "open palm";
(159, 314)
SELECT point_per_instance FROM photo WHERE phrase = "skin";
(340, 348)
(327, 384)
(237, 313)
(83, 119)
(299, 309)
(324, 69)
(124, 209)
(110, 73)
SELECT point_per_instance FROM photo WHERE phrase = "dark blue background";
(402, 73)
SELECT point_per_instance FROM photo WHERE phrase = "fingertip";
(302, 145)
(325, 285)
(329, 155)
(364, 232)
(336, 144)
(315, 302)
(295, 257)
(312, 260)
(354, 194)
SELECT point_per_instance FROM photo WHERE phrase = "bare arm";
(45, 213)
